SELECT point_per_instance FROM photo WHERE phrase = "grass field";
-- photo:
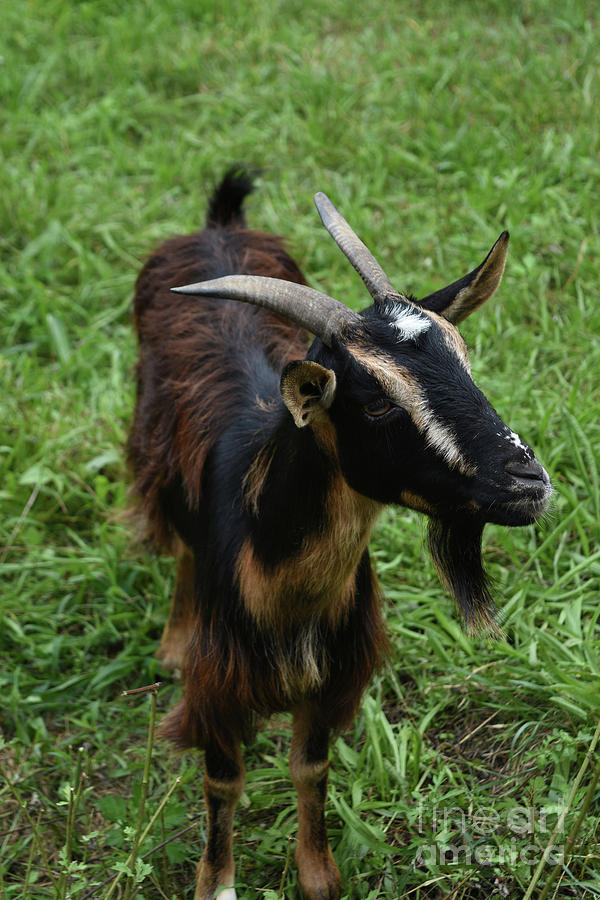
(433, 126)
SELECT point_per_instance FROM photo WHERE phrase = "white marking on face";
(405, 391)
(442, 439)
(407, 322)
(516, 441)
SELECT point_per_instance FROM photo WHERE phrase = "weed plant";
(471, 771)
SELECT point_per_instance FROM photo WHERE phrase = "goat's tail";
(225, 206)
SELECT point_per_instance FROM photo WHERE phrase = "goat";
(263, 463)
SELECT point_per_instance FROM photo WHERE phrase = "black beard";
(455, 548)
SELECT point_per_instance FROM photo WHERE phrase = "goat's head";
(409, 424)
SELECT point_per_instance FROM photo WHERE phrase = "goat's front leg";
(223, 784)
(318, 874)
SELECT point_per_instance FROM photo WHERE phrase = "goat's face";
(412, 428)
(393, 397)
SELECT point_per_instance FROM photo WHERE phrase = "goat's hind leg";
(182, 617)
(318, 874)
(224, 778)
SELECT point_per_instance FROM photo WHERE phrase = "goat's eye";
(378, 408)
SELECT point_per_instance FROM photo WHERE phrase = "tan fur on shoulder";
(318, 580)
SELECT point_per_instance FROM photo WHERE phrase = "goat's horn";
(321, 315)
(378, 284)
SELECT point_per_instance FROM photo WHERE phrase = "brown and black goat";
(263, 466)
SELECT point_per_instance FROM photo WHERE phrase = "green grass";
(433, 126)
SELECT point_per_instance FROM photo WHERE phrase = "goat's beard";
(455, 547)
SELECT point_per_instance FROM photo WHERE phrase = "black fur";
(455, 548)
(225, 205)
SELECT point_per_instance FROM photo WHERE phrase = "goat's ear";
(460, 299)
(307, 390)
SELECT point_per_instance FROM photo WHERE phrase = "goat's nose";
(531, 469)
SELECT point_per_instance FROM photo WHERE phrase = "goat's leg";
(224, 778)
(318, 874)
(180, 625)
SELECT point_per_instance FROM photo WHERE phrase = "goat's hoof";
(212, 883)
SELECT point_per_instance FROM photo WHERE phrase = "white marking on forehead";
(408, 322)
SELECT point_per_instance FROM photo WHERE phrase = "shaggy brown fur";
(186, 392)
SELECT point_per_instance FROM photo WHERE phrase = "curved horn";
(321, 315)
(378, 284)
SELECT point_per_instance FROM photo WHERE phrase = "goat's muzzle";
(527, 495)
